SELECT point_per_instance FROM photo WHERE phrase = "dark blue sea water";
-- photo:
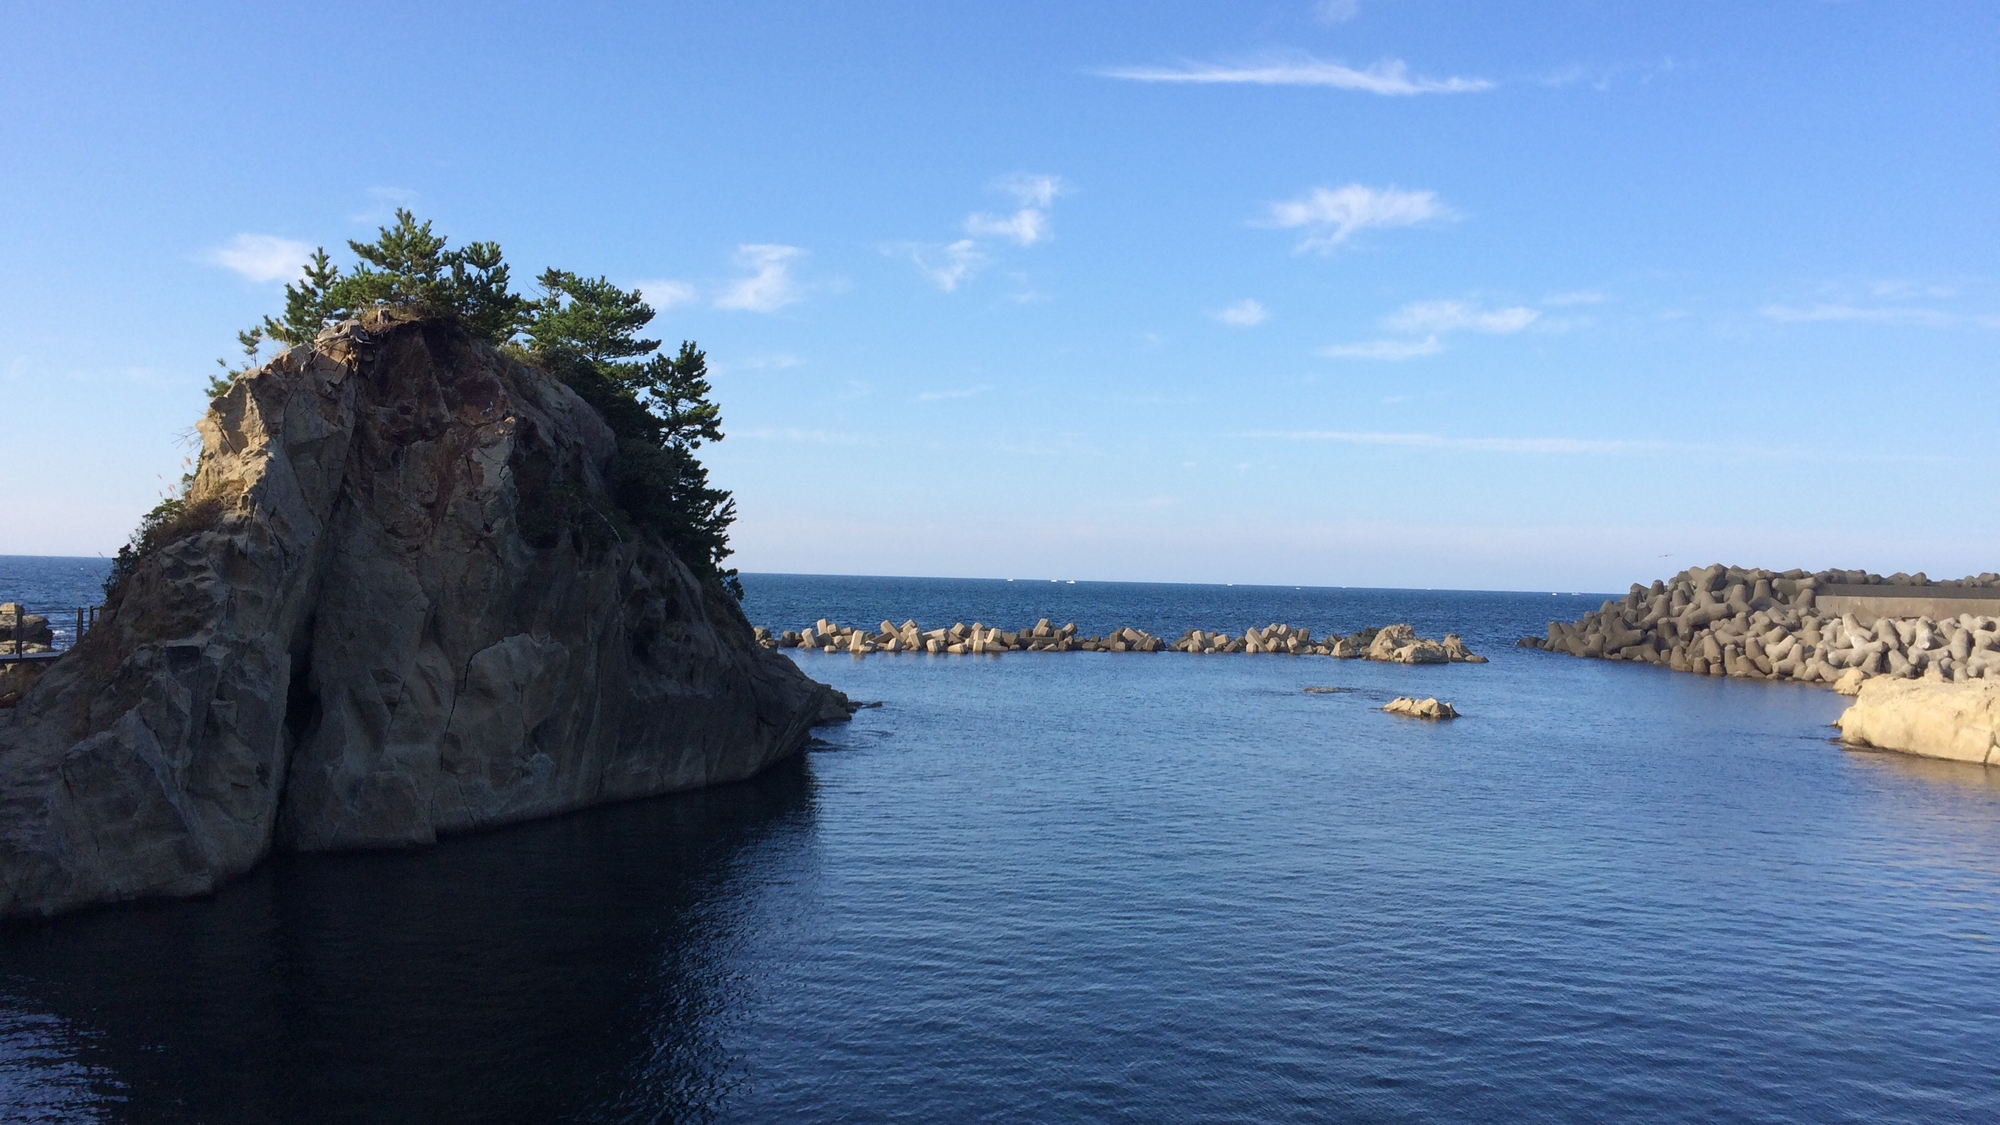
(1110, 887)
(55, 587)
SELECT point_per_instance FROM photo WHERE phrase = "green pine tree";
(584, 330)
(587, 331)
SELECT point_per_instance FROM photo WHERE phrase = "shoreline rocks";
(1959, 722)
(1766, 625)
(1396, 644)
(24, 633)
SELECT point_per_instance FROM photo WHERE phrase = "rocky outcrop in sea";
(398, 605)
(24, 633)
(1413, 708)
(1930, 718)
(1396, 644)
(1761, 624)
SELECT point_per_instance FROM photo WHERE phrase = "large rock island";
(398, 603)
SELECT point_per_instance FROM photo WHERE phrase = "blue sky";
(1389, 292)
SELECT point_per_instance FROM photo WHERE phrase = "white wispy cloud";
(1481, 445)
(1336, 11)
(779, 361)
(771, 287)
(1561, 446)
(261, 257)
(1025, 227)
(1246, 313)
(665, 293)
(382, 204)
(1457, 316)
(947, 265)
(1330, 216)
(956, 393)
(1580, 297)
(1390, 77)
(1033, 189)
(1878, 314)
(1598, 78)
(1030, 224)
(797, 435)
(1391, 350)
(1899, 289)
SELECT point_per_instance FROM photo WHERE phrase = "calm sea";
(54, 587)
(1098, 887)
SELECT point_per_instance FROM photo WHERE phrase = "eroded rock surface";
(1411, 707)
(401, 605)
(1928, 717)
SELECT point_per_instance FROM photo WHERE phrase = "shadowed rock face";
(399, 607)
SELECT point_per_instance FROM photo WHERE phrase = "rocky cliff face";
(399, 605)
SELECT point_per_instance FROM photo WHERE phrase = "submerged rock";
(399, 605)
(1931, 718)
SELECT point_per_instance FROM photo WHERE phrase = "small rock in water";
(1329, 690)
(1421, 708)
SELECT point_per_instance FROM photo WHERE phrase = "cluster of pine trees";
(583, 330)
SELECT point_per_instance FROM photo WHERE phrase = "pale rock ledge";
(1930, 718)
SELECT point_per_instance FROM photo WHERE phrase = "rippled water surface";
(1090, 887)
(54, 587)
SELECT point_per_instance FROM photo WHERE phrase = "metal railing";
(66, 627)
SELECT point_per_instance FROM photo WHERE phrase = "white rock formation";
(1927, 717)
(1420, 708)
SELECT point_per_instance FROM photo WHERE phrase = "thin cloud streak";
(952, 264)
(798, 436)
(1331, 215)
(1336, 11)
(771, 287)
(1917, 317)
(1556, 446)
(261, 257)
(1389, 78)
(946, 266)
(946, 396)
(1246, 313)
(1389, 350)
(1480, 445)
(1029, 225)
(1457, 316)
(1033, 189)
(1025, 227)
(1581, 297)
(665, 293)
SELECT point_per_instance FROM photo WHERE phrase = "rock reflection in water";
(1970, 776)
(526, 974)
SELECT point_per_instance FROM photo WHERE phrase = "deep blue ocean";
(54, 587)
(1109, 887)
